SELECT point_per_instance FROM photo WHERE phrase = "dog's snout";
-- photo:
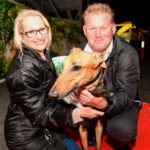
(53, 93)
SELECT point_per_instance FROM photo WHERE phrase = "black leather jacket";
(31, 110)
(122, 78)
(123, 75)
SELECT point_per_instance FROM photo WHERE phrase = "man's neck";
(104, 53)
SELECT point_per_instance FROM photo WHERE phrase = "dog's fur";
(80, 69)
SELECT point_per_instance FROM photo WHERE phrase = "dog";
(86, 70)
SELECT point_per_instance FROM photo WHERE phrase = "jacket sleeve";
(29, 92)
(124, 77)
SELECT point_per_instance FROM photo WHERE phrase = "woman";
(34, 120)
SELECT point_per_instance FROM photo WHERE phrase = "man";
(122, 78)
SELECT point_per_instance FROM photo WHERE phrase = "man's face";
(99, 31)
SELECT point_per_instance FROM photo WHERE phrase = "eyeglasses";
(33, 33)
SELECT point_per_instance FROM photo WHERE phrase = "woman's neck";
(42, 55)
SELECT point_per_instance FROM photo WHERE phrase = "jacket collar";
(117, 46)
(31, 52)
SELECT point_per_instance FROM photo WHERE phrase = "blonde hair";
(18, 27)
(98, 8)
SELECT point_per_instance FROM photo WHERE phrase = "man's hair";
(98, 8)
(18, 26)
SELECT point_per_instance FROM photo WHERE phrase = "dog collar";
(100, 76)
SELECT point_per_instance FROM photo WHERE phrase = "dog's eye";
(76, 68)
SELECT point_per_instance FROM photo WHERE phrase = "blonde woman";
(35, 121)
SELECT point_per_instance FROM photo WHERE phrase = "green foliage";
(62, 29)
(3, 64)
(8, 12)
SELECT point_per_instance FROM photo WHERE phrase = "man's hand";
(87, 99)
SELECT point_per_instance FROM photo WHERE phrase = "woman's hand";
(85, 112)
(88, 112)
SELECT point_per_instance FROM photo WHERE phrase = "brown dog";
(86, 70)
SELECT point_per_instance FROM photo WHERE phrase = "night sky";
(132, 10)
(137, 11)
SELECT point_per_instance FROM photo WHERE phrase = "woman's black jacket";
(31, 110)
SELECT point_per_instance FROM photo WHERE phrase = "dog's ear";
(98, 60)
(103, 65)
(75, 49)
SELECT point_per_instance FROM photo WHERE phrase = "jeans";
(70, 144)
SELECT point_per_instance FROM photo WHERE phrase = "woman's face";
(35, 33)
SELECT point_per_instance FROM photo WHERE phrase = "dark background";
(137, 11)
